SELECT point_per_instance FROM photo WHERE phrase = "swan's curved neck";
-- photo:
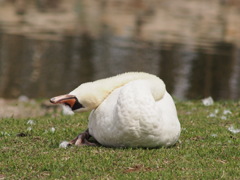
(93, 93)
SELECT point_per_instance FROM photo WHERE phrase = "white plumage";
(130, 110)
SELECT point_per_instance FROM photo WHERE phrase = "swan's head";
(84, 98)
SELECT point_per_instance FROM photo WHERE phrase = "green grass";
(206, 150)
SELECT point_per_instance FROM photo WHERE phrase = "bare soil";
(16, 108)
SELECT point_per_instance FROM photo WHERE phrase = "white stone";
(223, 117)
(208, 101)
(52, 129)
(23, 98)
(234, 130)
(29, 129)
(64, 144)
(226, 111)
(214, 135)
(31, 122)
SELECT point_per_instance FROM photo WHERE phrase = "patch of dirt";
(137, 168)
(26, 109)
(2, 176)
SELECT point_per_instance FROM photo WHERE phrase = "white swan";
(128, 110)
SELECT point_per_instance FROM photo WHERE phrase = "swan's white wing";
(129, 116)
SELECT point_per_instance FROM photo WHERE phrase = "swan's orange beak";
(67, 99)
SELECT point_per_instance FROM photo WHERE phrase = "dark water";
(195, 50)
(44, 68)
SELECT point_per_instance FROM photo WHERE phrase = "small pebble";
(212, 115)
(216, 111)
(30, 122)
(214, 135)
(52, 129)
(226, 111)
(223, 117)
(4, 133)
(64, 144)
(23, 98)
(234, 130)
(207, 101)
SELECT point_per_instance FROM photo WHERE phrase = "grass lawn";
(206, 149)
